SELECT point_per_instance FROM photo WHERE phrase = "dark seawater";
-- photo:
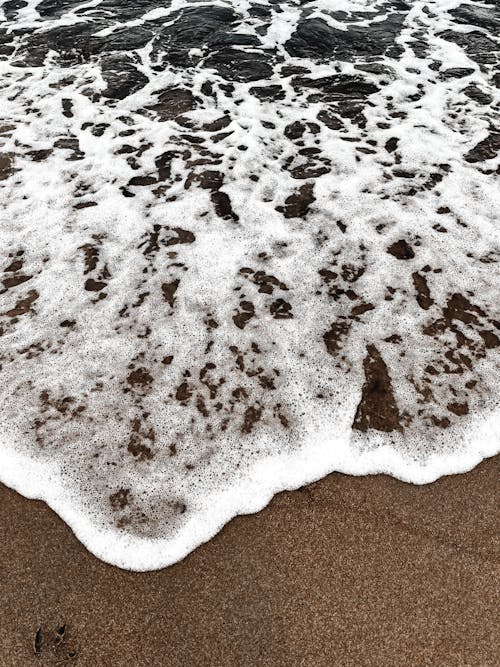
(242, 245)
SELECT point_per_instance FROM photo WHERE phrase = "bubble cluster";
(243, 244)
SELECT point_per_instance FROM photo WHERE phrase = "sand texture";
(348, 571)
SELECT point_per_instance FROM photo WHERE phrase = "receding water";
(243, 244)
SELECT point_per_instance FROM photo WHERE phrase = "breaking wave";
(244, 244)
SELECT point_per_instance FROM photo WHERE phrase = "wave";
(244, 244)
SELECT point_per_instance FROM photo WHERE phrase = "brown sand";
(349, 571)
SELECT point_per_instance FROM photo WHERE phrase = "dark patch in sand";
(377, 408)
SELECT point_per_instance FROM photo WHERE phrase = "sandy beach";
(355, 571)
(245, 244)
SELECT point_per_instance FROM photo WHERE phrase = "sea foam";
(243, 245)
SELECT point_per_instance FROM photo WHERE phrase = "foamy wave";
(243, 245)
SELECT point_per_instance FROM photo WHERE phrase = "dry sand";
(348, 571)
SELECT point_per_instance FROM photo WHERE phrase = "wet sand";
(348, 571)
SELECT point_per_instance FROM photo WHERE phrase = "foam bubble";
(243, 245)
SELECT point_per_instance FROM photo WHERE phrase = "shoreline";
(354, 570)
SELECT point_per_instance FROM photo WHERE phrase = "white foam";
(146, 457)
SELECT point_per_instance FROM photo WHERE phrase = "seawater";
(242, 245)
